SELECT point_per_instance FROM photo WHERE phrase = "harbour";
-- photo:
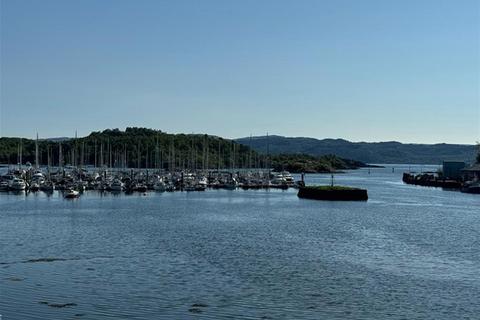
(104, 162)
(251, 160)
(257, 254)
(133, 180)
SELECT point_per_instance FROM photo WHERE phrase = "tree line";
(148, 148)
(134, 147)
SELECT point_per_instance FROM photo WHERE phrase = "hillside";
(298, 163)
(134, 147)
(378, 152)
(141, 147)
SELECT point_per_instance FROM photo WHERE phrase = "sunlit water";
(408, 253)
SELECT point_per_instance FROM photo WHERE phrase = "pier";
(429, 179)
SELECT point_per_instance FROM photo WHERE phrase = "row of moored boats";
(73, 181)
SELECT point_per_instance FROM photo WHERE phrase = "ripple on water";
(408, 253)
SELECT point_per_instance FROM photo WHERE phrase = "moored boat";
(4, 186)
(47, 186)
(34, 187)
(189, 188)
(139, 187)
(18, 184)
(71, 193)
(116, 185)
(472, 187)
(159, 186)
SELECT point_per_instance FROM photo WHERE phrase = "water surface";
(408, 253)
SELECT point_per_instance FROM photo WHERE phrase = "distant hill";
(143, 147)
(134, 147)
(369, 152)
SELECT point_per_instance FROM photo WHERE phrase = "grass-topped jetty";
(334, 193)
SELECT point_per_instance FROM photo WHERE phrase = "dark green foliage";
(139, 146)
(333, 188)
(298, 163)
(142, 147)
(478, 153)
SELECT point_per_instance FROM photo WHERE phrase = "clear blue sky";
(405, 70)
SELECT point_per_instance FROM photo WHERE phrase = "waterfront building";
(471, 173)
(453, 169)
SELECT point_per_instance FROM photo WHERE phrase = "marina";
(251, 160)
(105, 162)
(132, 180)
(164, 163)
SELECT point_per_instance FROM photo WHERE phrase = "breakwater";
(333, 193)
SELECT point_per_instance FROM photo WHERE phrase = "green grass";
(330, 188)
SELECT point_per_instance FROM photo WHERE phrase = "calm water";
(408, 253)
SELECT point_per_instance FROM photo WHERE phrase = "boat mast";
(232, 157)
(156, 152)
(218, 156)
(206, 152)
(192, 156)
(161, 160)
(138, 154)
(60, 156)
(101, 154)
(20, 150)
(146, 158)
(124, 157)
(74, 155)
(95, 153)
(82, 155)
(170, 156)
(109, 154)
(250, 152)
(48, 160)
(204, 148)
(172, 160)
(267, 165)
(36, 153)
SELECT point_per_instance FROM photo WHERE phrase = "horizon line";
(33, 137)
